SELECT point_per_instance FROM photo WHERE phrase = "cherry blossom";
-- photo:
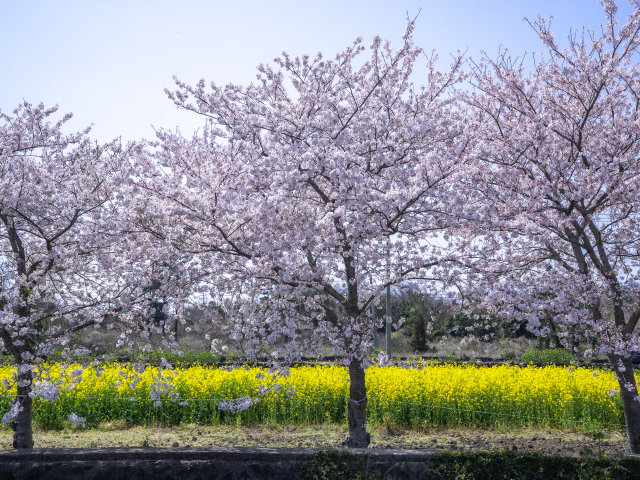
(66, 261)
(301, 187)
(553, 194)
(76, 420)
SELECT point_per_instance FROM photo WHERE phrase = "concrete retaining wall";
(189, 463)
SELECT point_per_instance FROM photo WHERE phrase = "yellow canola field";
(432, 395)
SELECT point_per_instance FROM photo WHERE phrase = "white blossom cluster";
(237, 404)
(76, 420)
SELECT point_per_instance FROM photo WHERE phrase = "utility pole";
(373, 317)
(255, 353)
(388, 302)
(175, 325)
(388, 321)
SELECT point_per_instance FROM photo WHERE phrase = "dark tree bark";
(630, 404)
(623, 366)
(357, 408)
(22, 423)
(357, 411)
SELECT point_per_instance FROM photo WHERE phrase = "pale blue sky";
(108, 61)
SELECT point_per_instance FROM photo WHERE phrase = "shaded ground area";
(118, 434)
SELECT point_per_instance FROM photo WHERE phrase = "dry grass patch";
(118, 434)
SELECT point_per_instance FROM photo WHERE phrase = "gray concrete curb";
(233, 463)
(200, 453)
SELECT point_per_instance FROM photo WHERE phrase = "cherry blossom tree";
(302, 187)
(556, 191)
(63, 265)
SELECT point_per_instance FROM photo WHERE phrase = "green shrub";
(451, 358)
(510, 356)
(530, 466)
(555, 356)
(335, 465)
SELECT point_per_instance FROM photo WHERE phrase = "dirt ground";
(319, 436)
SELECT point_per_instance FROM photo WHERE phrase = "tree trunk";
(357, 411)
(22, 423)
(630, 404)
(418, 338)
